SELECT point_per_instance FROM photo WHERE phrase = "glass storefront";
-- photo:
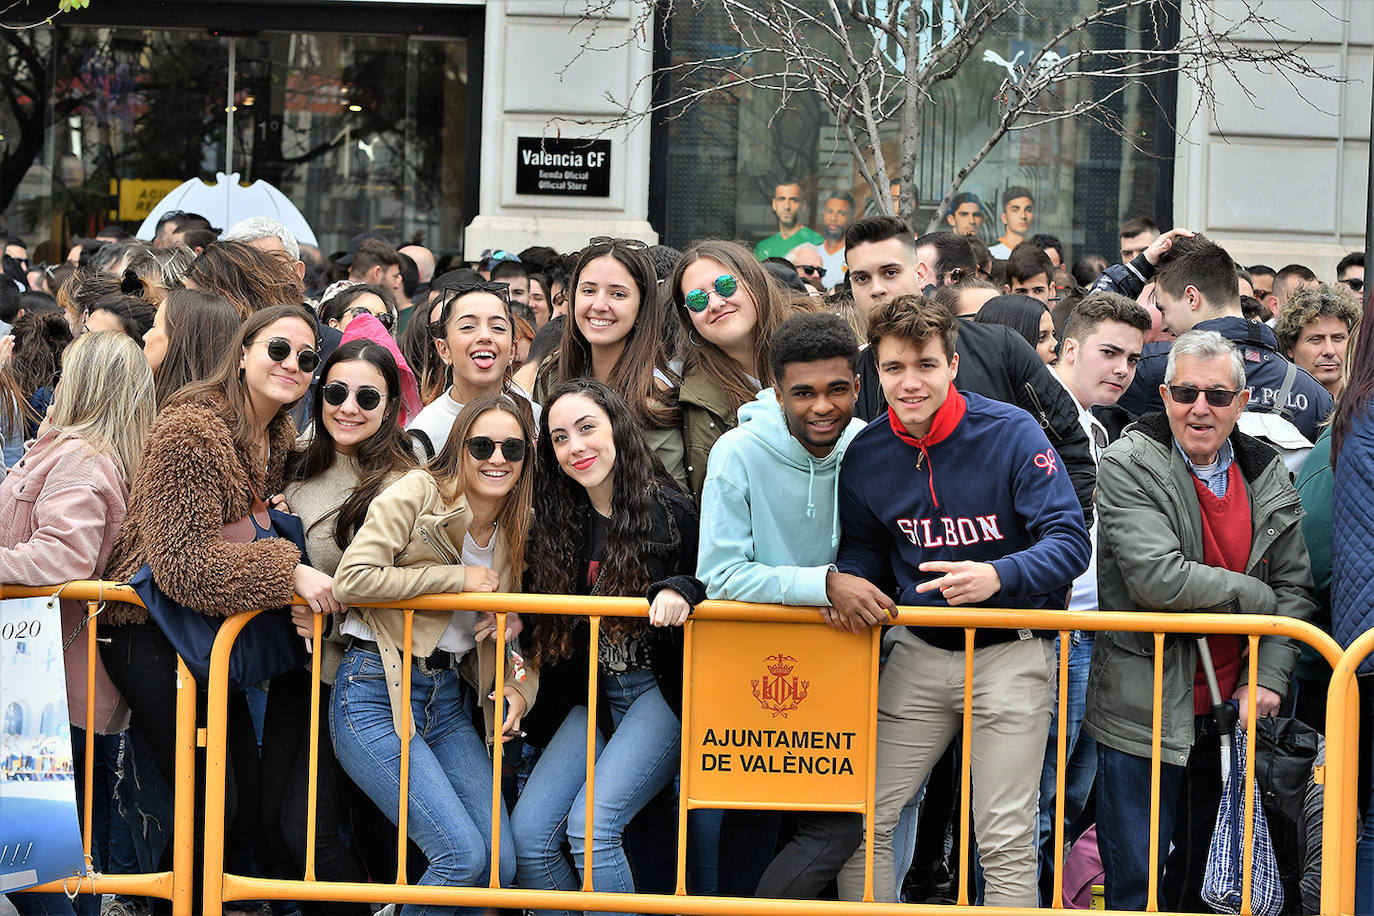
(359, 131)
(727, 154)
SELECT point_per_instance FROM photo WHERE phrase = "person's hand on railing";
(304, 619)
(515, 709)
(485, 627)
(669, 609)
(1266, 702)
(855, 603)
(963, 582)
(317, 589)
(479, 579)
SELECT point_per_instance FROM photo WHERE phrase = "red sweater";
(1226, 540)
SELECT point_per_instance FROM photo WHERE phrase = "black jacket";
(671, 556)
(997, 363)
(1308, 402)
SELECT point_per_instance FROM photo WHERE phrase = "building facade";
(502, 124)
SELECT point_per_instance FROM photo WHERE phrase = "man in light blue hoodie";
(770, 532)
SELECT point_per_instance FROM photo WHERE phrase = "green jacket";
(706, 415)
(1150, 558)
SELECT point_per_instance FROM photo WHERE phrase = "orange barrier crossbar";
(174, 885)
(1338, 827)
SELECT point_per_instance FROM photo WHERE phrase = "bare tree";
(876, 64)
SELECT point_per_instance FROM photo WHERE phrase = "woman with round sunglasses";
(215, 446)
(611, 522)
(474, 335)
(617, 337)
(352, 450)
(458, 525)
(356, 299)
(729, 309)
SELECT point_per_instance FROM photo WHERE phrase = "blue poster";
(40, 836)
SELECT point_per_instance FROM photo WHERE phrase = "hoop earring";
(691, 338)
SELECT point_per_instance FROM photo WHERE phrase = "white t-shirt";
(458, 637)
(436, 419)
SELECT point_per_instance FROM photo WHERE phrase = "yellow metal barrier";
(1340, 826)
(174, 885)
(1337, 864)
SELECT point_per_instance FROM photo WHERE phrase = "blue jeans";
(449, 805)
(1080, 748)
(633, 765)
(1188, 800)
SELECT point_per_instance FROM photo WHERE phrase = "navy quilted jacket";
(1352, 535)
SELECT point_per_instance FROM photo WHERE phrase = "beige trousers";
(920, 710)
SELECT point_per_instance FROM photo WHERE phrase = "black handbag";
(269, 645)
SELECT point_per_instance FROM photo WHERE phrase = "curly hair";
(379, 455)
(1311, 303)
(562, 506)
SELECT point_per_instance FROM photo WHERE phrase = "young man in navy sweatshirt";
(960, 500)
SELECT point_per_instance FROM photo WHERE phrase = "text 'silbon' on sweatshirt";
(985, 485)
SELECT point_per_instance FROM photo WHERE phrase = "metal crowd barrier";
(174, 885)
(1339, 817)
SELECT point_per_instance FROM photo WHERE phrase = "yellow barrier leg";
(496, 751)
(312, 793)
(184, 795)
(685, 786)
(88, 793)
(216, 770)
(593, 671)
(1247, 861)
(403, 803)
(966, 769)
(1156, 730)
(1061, 764)
(871, 801)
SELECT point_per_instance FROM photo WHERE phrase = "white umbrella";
(226, 202)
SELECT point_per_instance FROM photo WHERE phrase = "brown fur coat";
(191, 482)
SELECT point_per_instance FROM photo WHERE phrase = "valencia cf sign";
(779, 715)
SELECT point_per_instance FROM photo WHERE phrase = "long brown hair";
(704, 356)
(226, 385)
(201, 326)
(250, 279)
(632, 377)
(381, 454)
(447, 469)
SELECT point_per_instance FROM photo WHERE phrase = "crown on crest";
(780, 665)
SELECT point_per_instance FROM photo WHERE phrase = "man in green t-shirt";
(787, 207)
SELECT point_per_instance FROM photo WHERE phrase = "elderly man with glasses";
(1193, 515)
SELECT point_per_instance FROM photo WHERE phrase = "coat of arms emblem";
(779, 690)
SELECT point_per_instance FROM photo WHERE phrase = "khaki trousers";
(920, 710)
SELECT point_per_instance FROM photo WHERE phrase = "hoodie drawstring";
(810, 483)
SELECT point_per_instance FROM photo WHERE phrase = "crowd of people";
(930, 425)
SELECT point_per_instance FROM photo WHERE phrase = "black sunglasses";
(811, 269)
(483, 447)
(1355, 283)
(1217, 397)
(279, 348)
(385, 317)
(368, 398)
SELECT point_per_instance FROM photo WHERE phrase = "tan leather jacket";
(411, 545)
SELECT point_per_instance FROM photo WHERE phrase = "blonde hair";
(105, 398)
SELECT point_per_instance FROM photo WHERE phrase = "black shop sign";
(580, 168)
